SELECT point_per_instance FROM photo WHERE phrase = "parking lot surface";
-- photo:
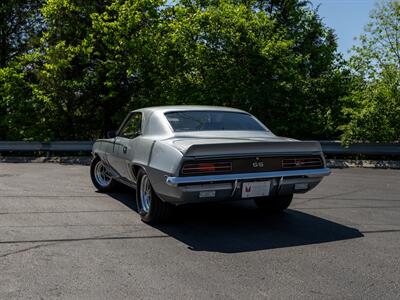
(61, 239)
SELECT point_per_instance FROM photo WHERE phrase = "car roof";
(164, 109)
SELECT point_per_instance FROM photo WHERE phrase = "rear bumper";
(311, 173)
(224, 187)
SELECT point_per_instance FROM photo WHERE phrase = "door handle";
(124, 149)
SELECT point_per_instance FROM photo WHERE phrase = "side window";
(133, 127)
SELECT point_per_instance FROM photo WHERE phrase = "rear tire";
(101, 177)
(150, 207)
(273, 204)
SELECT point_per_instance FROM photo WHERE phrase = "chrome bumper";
(175, 181)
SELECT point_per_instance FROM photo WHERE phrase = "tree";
(281, 66)
(96, 60)
(324, 80)
(79, 70)
(373, 107)
(20, 21)
(379, 46)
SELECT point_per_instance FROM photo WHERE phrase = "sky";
(346, 17)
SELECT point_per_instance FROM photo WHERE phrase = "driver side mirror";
(111, 134)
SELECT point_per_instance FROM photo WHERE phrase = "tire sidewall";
(159, 211)
(98, 186)
(145, 216)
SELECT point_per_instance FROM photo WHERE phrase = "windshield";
(212, 120)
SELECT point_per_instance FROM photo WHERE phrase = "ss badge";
(258, 164)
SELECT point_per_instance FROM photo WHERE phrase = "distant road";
(61, 239)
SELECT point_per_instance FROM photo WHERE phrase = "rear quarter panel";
(165, 160)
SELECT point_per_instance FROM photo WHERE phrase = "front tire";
(273, 204)
(101, 177)
(150, 207)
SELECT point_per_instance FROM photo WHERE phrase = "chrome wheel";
(145, 194)
(102, 175)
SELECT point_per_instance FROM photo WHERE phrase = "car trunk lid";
(239, 147)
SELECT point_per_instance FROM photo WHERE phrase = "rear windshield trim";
(261, 127)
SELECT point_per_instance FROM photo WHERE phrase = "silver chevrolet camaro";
(174, 155)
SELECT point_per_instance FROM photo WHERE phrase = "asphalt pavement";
(60, 239)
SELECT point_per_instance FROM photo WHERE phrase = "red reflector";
(207, 168)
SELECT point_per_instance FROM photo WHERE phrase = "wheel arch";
(154, 179)
(136, 168)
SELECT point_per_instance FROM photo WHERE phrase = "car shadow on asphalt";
(233, 227)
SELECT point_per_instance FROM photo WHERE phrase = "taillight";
(301, 162)
(206, 167)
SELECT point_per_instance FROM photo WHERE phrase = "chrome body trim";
(175, 181)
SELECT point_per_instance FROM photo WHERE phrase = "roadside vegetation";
(71, 69)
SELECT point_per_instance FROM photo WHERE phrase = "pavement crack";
(381, 231)
(85, 239)
(345, 207)
(25, 249)
(66, 212)
(331, 196)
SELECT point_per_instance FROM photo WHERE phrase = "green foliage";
(379, 46)
(96, 60)
(20, 21)
(373, 107)
(228, 53)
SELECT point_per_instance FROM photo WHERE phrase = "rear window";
(211, 120)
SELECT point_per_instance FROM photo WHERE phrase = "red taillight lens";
(206, 168)
(301, 162)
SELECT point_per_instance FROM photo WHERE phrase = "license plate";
(255, 189)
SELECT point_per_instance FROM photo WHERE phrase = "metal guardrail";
(336, 148)
(67, 146)
(329, 147)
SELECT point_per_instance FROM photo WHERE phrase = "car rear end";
(247, 170)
